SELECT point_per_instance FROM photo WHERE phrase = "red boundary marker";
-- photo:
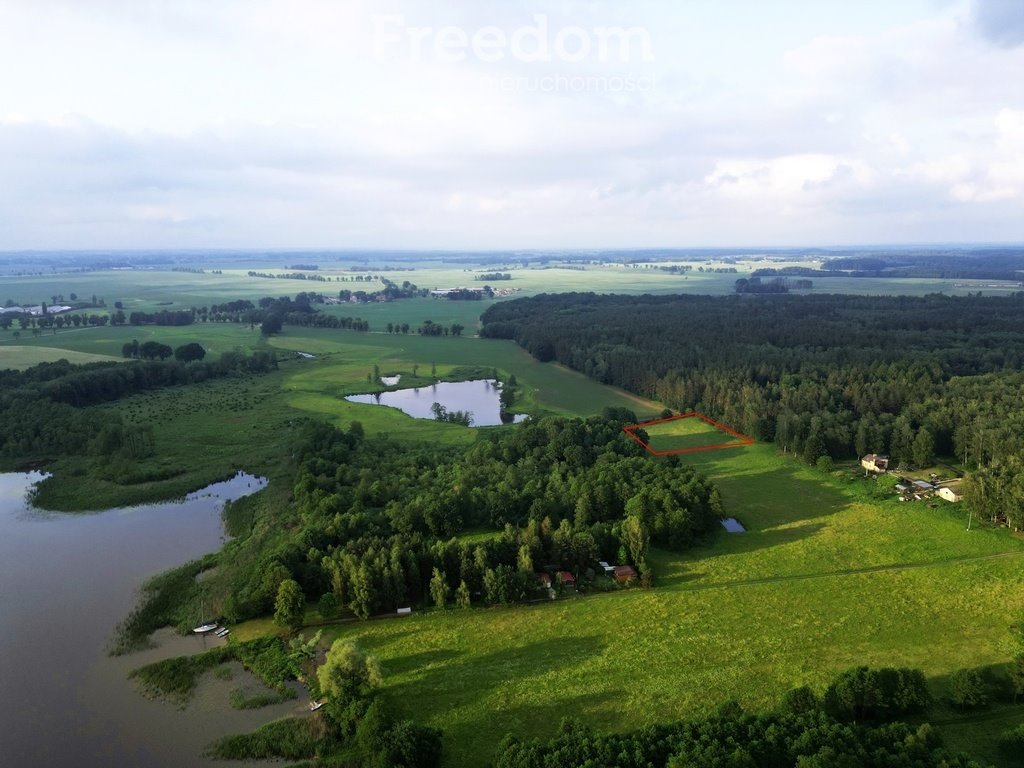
(743, 439)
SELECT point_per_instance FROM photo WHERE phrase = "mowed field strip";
(691, 432)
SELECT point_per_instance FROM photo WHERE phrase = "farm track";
(848, 572)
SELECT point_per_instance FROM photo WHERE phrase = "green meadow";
(824, 579)
(21, 357)
(683, 434)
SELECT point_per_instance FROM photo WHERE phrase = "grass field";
(824, 579)
(215, 337)
(687, 434)
(21, 357)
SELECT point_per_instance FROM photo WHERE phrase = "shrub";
(861, 694)
(967, 689)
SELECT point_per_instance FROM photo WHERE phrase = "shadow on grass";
(405, 665)
(678, 569)
(458, 679)
(996, 687)
(753, 540)
(979, 730)
(476, 738)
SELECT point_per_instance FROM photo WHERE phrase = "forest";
(376, 524)
(987, 264)
(829, 375)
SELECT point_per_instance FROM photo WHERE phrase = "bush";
(266, 658)
(176, 679)
(292, 739)
(327, 607)
(240, 700)
(865, 695)
(800, 700)
(968, 690)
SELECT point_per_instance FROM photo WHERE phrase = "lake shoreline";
(85, 571)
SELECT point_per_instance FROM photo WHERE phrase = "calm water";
(65, 581)
(479, 397)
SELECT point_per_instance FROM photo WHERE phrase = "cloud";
(276, 125)
(1000, 21)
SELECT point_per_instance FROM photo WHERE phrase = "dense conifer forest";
(914, 377)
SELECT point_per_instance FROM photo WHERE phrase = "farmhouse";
(951, 492)
(874, 462)
(624, 573)
(567, 579)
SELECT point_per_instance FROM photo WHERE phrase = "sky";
(496, 124)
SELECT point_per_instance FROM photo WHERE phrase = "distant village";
(36, 311)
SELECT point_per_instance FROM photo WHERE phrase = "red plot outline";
(743, 439)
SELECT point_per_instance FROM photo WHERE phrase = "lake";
(479, 397)
(67, 579)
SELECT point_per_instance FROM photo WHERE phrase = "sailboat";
(205, 627)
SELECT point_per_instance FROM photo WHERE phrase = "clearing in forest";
(686, 433)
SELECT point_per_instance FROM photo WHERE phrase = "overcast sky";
(340, 123)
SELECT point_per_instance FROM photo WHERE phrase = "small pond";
(67, 579)
(732, 525)
(479, 397)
